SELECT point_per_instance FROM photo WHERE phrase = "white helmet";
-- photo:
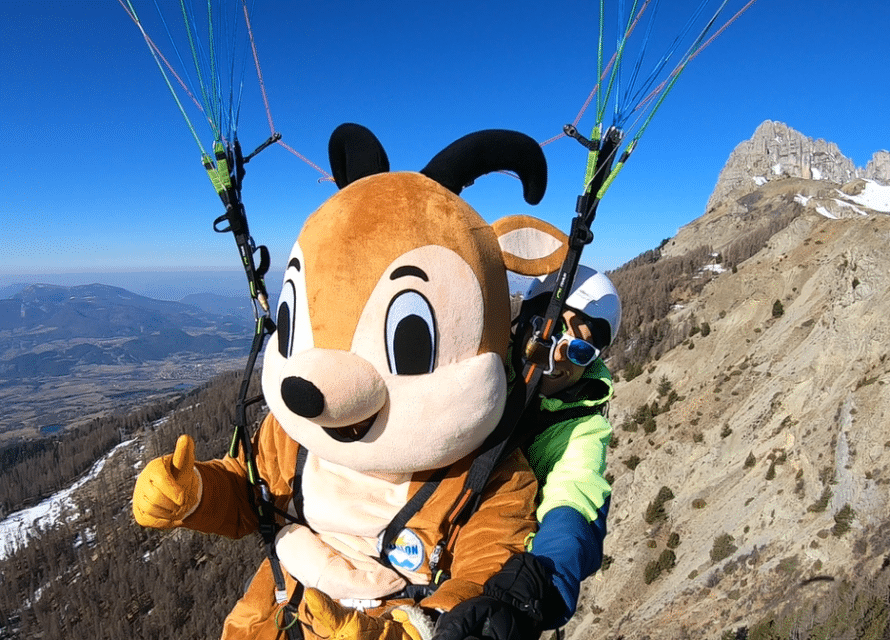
(592, 294)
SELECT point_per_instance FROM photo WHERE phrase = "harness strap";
(286, 618)
(258, 491)
(393, 529)
(297, 500)
(226, 174)
(500, 442)
(398, 523)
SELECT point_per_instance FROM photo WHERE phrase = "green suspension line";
(154, 55)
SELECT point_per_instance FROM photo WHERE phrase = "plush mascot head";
(394, 315)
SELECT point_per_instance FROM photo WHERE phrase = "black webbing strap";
(398, 523)
(500, 441)
(580, 234)
(264, 506)
(393, 529)
(297, 499)
(241, 438)
(226, 174)
(286, 618)
(258, 491)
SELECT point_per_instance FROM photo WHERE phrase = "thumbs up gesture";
(169, 488)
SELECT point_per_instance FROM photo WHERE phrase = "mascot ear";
(355, 153)
(476, 154)
(531, 247)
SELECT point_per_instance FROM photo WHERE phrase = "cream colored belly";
(346, 512)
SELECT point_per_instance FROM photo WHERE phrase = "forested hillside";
(31, 470)
(98, 574)
(653, 283)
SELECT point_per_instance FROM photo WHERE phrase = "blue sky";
(100, 173)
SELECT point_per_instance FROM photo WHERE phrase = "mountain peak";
(775, 176)
(777, 151)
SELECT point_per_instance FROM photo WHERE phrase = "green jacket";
(568, 454)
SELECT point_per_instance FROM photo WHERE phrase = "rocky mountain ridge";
(779, 173)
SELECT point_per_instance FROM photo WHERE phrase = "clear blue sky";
(99, 171)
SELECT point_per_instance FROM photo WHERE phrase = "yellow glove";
(325, 619)
(169, 488)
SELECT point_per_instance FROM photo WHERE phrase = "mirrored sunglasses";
(578, 351)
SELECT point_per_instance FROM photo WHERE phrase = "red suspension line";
(259, 72)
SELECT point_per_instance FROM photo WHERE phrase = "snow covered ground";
(17, 528)
(874, 196)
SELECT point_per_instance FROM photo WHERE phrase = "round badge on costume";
(406, 551)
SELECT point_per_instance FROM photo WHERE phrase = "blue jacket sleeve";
(572, 549)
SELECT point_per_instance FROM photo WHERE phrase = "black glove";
(525, 583)
(483, 618)
(514, 604)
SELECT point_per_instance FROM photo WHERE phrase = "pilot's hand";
(514, 605)
(169, 488)
(484, 618)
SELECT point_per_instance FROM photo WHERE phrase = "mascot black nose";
(302, 397)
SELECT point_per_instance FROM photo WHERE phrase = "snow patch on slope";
(19, 527)
(874, 196)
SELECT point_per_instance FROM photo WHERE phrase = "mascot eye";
(410, 335)
(284, 324)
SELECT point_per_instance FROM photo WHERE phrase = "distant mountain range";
(160, 285)
(67, 346)
(154, 329)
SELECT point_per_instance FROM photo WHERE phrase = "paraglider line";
(259, 72)
(326, 176)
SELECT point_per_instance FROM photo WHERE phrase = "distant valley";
(68, 353)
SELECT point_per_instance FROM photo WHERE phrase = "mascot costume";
(384, 375)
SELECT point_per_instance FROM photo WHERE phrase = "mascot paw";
(169, 488)
(326, 619)
(416, 625)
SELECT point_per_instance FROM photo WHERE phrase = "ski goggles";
(578, 351)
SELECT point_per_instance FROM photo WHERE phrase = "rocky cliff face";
(777, 151)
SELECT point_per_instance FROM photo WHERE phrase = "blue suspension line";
(646, 86)
(641, 91)
(182, 64)
(198, 57)
(643, 46)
